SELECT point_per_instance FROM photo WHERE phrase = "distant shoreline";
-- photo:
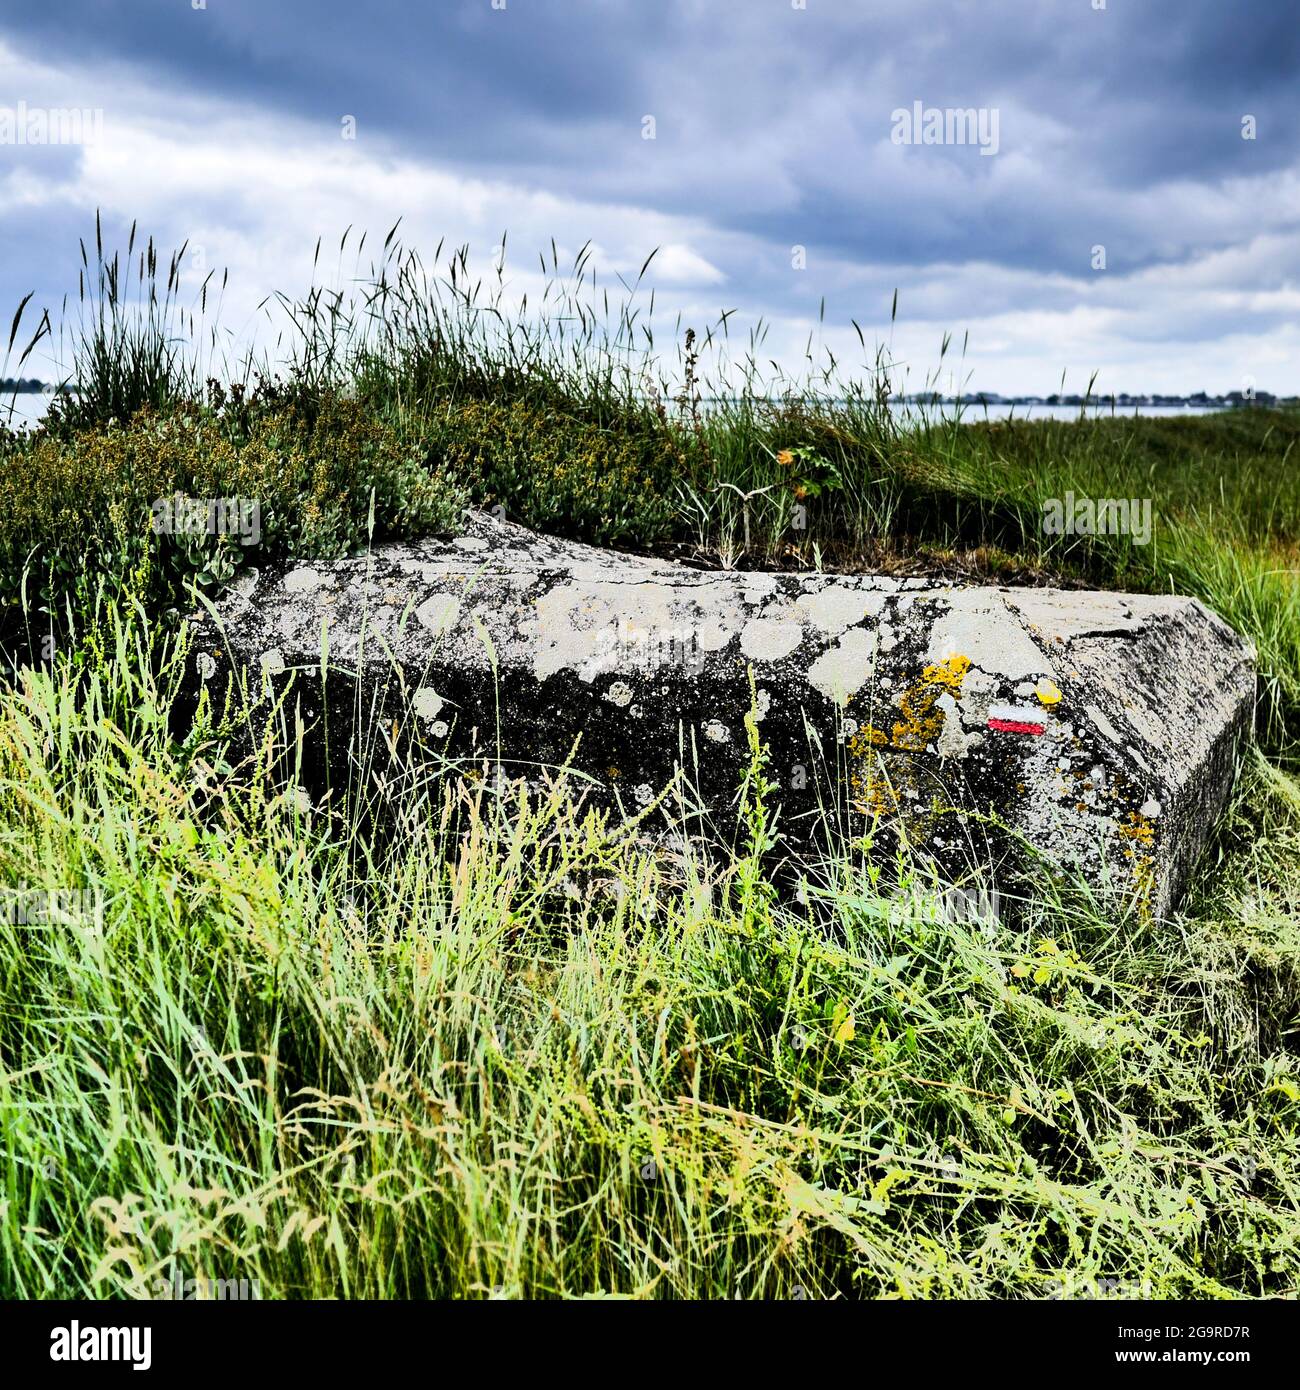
(1122, 400)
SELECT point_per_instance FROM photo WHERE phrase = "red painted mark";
(1017, 726)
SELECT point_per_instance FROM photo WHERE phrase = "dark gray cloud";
(1119, 126)
(768, 117)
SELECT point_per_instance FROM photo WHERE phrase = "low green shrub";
(162, 502)
(565, 475)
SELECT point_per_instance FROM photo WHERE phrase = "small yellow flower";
(785, 458)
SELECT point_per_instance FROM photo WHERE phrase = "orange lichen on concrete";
(873, 793)
(1139, 829)
(948, 673)
(1141, 834)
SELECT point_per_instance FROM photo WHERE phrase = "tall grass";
(521, 1053)
(134, 341)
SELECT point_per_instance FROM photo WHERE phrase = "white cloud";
(252, 190)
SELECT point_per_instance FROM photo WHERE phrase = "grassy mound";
(510, 1049)
(163, 501)
(560, 473)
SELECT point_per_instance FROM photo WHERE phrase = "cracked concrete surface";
(1102, 730)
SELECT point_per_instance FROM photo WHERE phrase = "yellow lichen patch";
(920, 724)
(1048, 692)
(921, 721)
(949, 673)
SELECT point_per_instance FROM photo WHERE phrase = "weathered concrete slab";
(1101, 729)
